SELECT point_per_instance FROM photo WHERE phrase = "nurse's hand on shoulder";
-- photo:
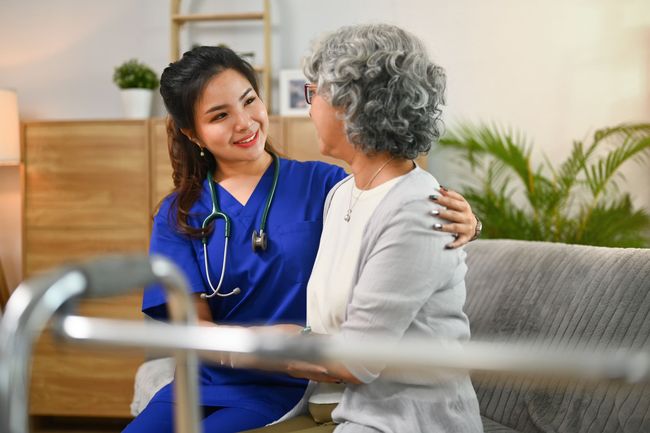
(463, 223)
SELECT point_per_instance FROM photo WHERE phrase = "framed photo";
(292, 93)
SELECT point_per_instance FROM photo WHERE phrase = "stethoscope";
(259, 240)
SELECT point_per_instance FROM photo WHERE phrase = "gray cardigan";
(406, 284)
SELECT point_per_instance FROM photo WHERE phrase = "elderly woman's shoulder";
(412, 192)
(416, 182)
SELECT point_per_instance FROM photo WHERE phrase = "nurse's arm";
(332, 372)
(203, 311)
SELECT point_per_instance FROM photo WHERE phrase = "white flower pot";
(136, 103)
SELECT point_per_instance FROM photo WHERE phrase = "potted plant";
(577, 201)
(137, 82)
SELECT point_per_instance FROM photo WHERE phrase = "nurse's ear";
(190, 136)
(188, 133)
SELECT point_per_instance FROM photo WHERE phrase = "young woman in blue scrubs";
(218, 138)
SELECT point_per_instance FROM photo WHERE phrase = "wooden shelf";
(17, 163)
(179, 20)
(252, 16)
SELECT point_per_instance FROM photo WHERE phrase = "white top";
(332, 278)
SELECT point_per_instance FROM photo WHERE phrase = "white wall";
(557, 70)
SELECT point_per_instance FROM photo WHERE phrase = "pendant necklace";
(351, 204)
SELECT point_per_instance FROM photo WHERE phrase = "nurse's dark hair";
(181, 85)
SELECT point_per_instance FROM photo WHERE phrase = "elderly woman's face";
(332, 140)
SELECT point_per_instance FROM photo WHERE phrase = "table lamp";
(9, 128)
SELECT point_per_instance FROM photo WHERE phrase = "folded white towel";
(149, 379)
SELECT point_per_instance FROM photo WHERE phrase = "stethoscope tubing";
(259, 241)
(215, 292)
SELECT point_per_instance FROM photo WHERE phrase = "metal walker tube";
(35, 302)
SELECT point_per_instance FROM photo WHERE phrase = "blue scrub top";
(273, 283)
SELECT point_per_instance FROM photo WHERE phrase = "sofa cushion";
(491, 426)
(569, 294)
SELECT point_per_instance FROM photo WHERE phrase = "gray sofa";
(569, 294)
(539, 290)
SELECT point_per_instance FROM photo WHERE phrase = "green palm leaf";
(616, 224)
(576, 202)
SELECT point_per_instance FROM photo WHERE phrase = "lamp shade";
(9, 127)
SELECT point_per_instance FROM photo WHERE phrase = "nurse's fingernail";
(433, 197)
(443, 188)
(435, 212)
(437, 226)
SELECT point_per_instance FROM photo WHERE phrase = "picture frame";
(292, 93)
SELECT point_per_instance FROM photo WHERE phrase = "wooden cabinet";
(161, 169)
(301, 141)
(87, 193)
(86, 190)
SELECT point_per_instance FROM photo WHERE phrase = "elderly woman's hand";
(464, 224)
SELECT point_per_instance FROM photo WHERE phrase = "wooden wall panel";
(50, 247)
(70, 380)
(86, 174)
(276, 134)
(81, 381)
(301, 141)
(87, 193)
(161, 168)
(4, 289)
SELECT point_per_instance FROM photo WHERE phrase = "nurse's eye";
(250, 100)
(219, 116)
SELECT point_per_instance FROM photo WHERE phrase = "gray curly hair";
(389, 90)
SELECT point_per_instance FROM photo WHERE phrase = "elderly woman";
(380, 270)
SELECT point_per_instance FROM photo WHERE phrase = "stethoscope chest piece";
(259, 241)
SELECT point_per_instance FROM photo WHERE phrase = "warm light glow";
(9, 127)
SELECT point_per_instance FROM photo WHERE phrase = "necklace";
(351, 204)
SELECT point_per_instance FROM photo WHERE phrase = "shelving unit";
(178, 20)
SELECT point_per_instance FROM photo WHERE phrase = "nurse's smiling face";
(230, 119)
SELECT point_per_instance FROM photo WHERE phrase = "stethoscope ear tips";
(259, 241)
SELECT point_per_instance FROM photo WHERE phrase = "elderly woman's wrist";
(478, 229)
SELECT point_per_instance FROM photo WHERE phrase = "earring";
(194, 140)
